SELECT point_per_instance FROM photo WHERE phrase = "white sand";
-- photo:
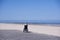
(44, 29)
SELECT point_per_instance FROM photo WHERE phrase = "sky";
(39, 10)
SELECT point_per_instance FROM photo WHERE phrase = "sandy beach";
(44, 29)
(38, 32)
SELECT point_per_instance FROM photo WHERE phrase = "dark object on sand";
(25, 28)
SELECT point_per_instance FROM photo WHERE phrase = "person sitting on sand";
(25, 28)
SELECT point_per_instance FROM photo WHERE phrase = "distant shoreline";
(48, 24)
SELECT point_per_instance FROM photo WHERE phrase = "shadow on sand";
(19, 35)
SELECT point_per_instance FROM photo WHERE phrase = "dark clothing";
(25, 28)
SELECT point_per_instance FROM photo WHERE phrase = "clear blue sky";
(30, 10)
